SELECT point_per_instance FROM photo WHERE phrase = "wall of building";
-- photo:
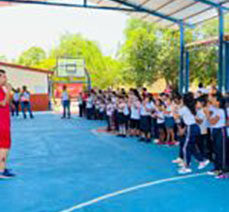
(36, 82)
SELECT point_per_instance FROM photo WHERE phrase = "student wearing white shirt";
(66, 103)
(217, 120)
(201, 119)
(89, 106)
(147, 107)
(121, 106)
(25, 102)
(135, 116)
(102, 107)
(109, 113)
(160, 121)
(187, 112)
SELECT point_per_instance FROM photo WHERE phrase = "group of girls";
(196, 122)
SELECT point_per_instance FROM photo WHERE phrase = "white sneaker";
(184, 170)
(156, 141)
(202, 165)
(178, 160)
(182, 164)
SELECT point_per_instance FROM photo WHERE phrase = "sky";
(23, 26)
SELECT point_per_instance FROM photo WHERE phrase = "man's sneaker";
(184, 170)
(6, 174)
(214, 172)
(178, 160)
(203, 164)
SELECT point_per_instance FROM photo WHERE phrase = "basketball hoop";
(70, 67)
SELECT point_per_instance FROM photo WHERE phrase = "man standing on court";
(25, 102)
(66, 103)
(5, 134)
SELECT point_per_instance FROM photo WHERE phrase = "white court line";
(130, 189)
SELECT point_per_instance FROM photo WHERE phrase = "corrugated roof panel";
(203, 16)
(174, 6)
(195, 9)
(156, 4)
(189, 10)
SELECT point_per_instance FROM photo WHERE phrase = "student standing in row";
(187, 112)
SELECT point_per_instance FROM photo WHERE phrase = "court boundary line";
(130, 189)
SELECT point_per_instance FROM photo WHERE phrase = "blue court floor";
(64, 164)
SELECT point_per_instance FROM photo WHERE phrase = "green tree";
(3, 58)
(32, 57)
(139, 53)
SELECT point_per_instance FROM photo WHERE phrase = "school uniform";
(126, 113)
(109, 113)
(160, 123)
(120, 115)
(145, 120)
(169, 120)
(97, 103)
(101, 111)
(218, 134)
(203, 141)
(192, 134)
(89, 107)
(134, 117)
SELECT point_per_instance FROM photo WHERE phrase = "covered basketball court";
(72, 165)
(176, 14)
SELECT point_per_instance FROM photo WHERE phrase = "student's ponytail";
(190, 102)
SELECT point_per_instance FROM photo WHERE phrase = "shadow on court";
(63, 163)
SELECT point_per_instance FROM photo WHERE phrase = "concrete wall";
(36, 82)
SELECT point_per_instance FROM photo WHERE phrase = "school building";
(36, 80)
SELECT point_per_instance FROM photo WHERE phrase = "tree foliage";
(148, 53)
(32, 57)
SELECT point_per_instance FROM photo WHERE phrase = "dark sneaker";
(141, 139)
(6, 174)
(148, 140)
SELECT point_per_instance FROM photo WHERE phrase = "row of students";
(205, 123)
(199, 123)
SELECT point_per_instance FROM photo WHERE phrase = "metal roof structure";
(167, 13)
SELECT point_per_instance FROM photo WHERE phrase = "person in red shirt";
(5, 133)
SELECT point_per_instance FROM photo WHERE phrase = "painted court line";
(130, 189)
